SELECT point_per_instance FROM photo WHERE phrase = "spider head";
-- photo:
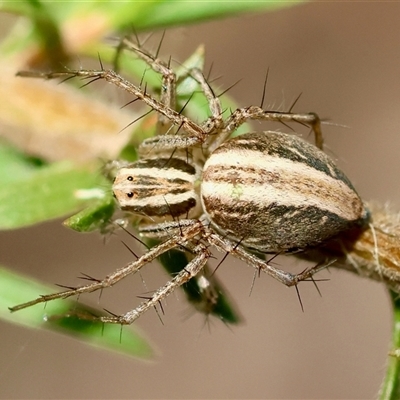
(157, 187)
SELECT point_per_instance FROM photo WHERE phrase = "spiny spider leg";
(233, 248)
(168, 88)
(190, 271)
(188, 233)
(214, 103)
(208, 130)
(288, 279)
(200, 259)
(241, 115)
(168, 76)
(195, 134)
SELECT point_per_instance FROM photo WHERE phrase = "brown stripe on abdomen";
(274, 203)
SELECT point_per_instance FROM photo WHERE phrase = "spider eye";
(130, 194)
(129, 178)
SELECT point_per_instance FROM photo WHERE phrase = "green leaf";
(152, 14)
(95, 217)
(168, 13)
(40, 194)
(16, 7)
(65, 316)
(47, 18)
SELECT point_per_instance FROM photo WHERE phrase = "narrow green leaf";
(159, 14)
(46, 193)
(140, 14)
(94, 217)
(16, 7)
(65, 316)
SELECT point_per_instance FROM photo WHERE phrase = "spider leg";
(195, 134)
(198, 134)
(287, 278)
(169, 79)
(168, 76)
(187, 234)
(213, 101)
(241, 115)
(190, 271)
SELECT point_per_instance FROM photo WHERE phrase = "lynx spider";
(188, 229)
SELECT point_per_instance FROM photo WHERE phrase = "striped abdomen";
(275, 192)
(162, 187)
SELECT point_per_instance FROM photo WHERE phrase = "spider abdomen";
(275, 192)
